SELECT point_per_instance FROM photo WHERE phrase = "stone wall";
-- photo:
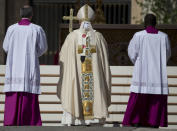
(2, 28)
(9, 12)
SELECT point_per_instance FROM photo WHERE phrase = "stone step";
(77, 128)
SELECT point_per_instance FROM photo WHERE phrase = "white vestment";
(149, 53)
(69, 87)
(23, 45)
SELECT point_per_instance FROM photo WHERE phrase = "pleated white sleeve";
(41, 43)
(133, 48)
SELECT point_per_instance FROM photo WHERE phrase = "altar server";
(24, 43)
(149, 51)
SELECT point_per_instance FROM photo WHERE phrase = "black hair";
(26, 12)
(150, 20)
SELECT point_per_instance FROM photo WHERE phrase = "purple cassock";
(22, 108)
(147, 110)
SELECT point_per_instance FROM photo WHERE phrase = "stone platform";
(78, 128)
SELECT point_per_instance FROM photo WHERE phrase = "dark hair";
(150, 20)
(26, 12)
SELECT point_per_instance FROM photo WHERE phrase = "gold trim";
(87, 66)
(80, 49)
(88, 108)
(86, 87)
(84, 19)
(87, 79)
(93, 49)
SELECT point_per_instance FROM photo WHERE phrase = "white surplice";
(149, 53)
(23, 45)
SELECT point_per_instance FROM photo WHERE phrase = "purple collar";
(152, 30)
(24, 21)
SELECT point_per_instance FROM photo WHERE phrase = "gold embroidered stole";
(87, 79)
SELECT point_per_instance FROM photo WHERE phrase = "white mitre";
(85, 13)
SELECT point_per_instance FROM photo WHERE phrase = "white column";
(136, 12)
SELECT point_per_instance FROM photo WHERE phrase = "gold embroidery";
(93, 49)
(86, 87)
(80, 49)
(87, 66)
(87, 94)
(88, 109)
(87, 79)
(86, 14)
(87, 52)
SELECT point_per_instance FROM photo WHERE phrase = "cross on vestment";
(71, 18)
(87, 78)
